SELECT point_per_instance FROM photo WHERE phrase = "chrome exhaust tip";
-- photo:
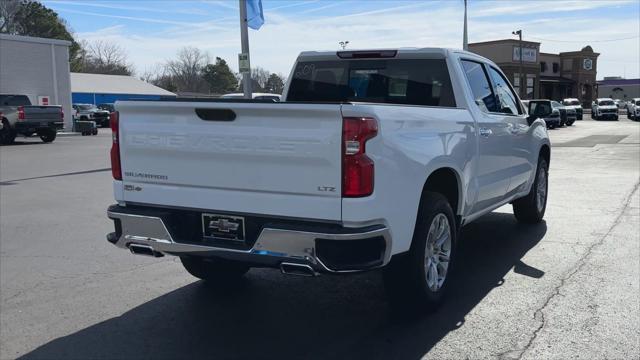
(145, 250)
(297, 269)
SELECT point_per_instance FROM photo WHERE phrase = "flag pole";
(244, 39)
(465, 39)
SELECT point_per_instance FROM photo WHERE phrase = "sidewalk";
(68, 133)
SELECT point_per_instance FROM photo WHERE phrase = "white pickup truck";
(373, 159)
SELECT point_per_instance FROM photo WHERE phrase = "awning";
(556, 79)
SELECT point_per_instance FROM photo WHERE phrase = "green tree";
(220, 78)
(31, 18)
(274, 84)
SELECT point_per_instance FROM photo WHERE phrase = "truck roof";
(408, 52)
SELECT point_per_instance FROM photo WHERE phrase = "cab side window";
(480, 86)
(505, 97)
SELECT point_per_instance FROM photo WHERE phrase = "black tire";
(214, 270)
(7, 134)
(48, 135)
(94, 132)
(527, 209)
(615, 118)
(405, 278)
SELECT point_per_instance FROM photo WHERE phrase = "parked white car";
(633, 109)
(603, 109)
(375, 159)
(576, 105)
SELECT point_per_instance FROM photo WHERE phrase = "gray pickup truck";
(20, 117)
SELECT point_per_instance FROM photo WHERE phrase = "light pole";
(465, 38)
(244, 40)
(520, 77)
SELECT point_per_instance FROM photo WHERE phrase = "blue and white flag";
(255, 17)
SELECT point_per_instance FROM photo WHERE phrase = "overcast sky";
(153, 31)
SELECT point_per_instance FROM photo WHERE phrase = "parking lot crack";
(539, 314)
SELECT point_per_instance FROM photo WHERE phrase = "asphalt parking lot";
(566, 288)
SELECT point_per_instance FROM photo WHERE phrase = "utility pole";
(244, 39)
(520, 75)
(465, 39)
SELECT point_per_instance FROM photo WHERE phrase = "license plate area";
(223, 227)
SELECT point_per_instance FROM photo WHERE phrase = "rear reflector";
(357, 167)
(367, 54)
(116, 169)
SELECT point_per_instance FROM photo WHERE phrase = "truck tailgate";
(35, 113)
(273, 158)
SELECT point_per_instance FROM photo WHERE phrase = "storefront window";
(531, 79)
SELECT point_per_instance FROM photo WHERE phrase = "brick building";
(550, 76)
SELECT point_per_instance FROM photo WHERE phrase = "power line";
(586, 41)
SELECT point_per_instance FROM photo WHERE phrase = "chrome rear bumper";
(272, 247)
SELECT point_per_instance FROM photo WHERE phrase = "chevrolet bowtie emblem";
(223, 225)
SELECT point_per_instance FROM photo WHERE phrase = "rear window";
(14, 100)
(398, 81)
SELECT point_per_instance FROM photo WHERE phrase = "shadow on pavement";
(13, 182)
(269, 315)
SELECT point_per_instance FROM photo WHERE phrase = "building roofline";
(617, 82)
(569, 53)
(32, 39)
(503, 41)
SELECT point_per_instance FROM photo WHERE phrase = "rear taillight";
(116, 169)
(61, 114)
(21, 113)
(357, 167)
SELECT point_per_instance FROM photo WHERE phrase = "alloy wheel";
(437, 252)
(541, 189)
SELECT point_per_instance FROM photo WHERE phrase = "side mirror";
(538, 109)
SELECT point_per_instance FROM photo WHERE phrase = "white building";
(38, 68)
(100, 88)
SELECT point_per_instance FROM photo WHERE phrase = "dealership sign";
(529, 54)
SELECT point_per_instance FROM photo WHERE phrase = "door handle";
(485, 132)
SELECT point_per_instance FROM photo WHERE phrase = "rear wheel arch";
(545, 153)
(445, 181)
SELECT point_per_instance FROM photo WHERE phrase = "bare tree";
(159, 76)
(186, 70)
(8, 11)
(150, 74)
(261, 76)
(101, 57)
